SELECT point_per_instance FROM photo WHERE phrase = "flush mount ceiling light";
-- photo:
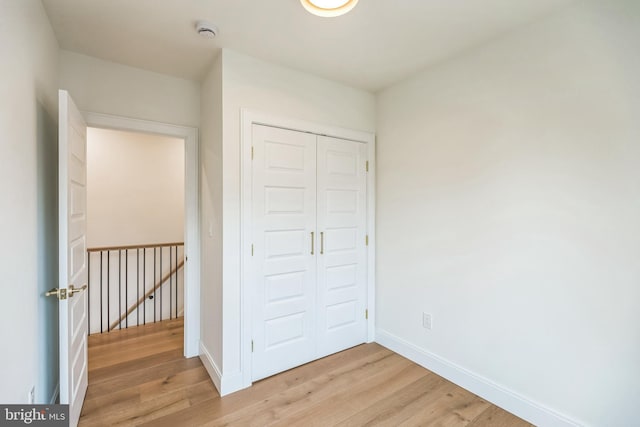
(329, 8)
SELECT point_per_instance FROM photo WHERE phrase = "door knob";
(60, 293)
(73, 290)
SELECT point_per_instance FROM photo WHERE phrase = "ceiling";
(379, 43)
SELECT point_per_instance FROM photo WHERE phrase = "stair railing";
(134, 285)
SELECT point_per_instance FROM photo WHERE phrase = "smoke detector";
(206, 29)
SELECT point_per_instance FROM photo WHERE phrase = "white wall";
(508, 207)
(260, 86)
(135, 188)
(106, 87)
(211, 219)
(28, 226)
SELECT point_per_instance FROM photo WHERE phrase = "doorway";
(186, 288)
(135, 229)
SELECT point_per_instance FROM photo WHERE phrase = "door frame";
(191, 210)
(247, 119)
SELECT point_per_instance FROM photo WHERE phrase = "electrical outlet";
(426, 320)
(32, 396)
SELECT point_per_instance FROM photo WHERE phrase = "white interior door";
(342, 258)
(72, 256)
(284, 238)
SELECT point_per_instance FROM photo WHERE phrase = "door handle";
(312, 243)
(322, 243)
(59, 293)
(72, 291)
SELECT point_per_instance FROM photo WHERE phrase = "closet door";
(342, 254)
(284, 262)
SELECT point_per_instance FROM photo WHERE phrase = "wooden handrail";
(158, 285)
(123, 248)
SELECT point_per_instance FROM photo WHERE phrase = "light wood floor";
(138, 376)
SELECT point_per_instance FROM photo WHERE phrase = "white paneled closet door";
(342, 258)
(284, 279)
(309, 256)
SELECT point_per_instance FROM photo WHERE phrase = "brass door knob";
(73, 290)
(59, 293)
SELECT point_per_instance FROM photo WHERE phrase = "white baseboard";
(211, 367)
(54, 396)
(225, 384)
(524, 408)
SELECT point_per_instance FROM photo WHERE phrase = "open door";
(72, 186)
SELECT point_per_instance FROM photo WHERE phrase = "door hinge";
(251, 346)
(367, 166)
(366, 314)
(252, 249)
(366, 240)
(251, 152)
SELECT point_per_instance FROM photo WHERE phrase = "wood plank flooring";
(138, 376)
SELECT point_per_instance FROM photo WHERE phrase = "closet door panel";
(284, 280)
(341, 223)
